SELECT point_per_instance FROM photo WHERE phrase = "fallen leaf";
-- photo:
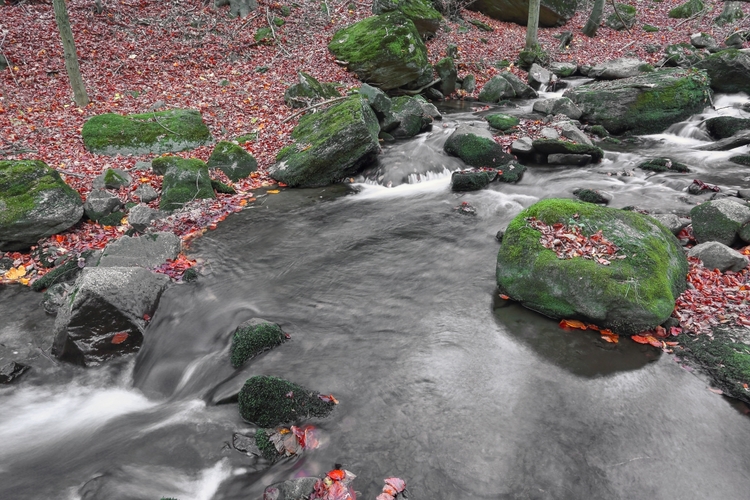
(273, 191)
(120, 337)
(573, 323)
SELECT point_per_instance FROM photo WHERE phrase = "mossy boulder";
(472, 180)
(643, 104)
(724, 356)
(551, 12)
(271, 401)
(501, 121)
(446, 71)
(496, 89)
(683, 55)
(476, 147)
(719, 220)
(385, 51)
(511, 172)
(100, 203)
(330, 145)
(157, 132)
(741, 160)
(623, 18)
(557, 146)
(233, 160)
(722, 127)
(522, 90)
(253, 337)
(409, 114)
(663, 165)
(729, 70)
(309, 91)
(687, 9)
(628, 296)
(421, 12)
(185, 180)
(34, 203)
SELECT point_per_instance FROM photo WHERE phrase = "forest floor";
(187, 54)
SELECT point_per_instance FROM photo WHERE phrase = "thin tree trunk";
(595, 19)
(532, 26)
(69, 48)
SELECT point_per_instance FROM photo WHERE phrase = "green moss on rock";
(270, 401)
(721, 127)
(264, 444)
(157, 132)
(185, 180)
(687, 9)
(233, 160)
(502, 121)
(741, 160)
(61, 273)
(725, 356)
(556, 146)
(623, 18)
(662, 165)
(476, 149)
(253, 337)
(628, 296)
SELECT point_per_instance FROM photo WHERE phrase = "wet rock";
(572, 132)
(522, 146)
(741, 160)
(552, 146)
(465, 208)
(672, 222)
(271, 401)
(141, 216)
(663, 165)
(496, 89)
(741, 138)
(148, 251)
(538, 77)
(744, 194)
(722, 127)
(476, 147)
(472, 180)
(625, 67)
(512, 172)
(563, 69)
(34, 203)
(522, 90)
(715, 255)
(557, 106)
(245, 444)
(105, 314)
(429, 109)
(291, 489)
(728, 70)
(562, 288)
(719, 220)
(592, 196)
(568, 159)
(100, 203)
(233, 160)
(10, 370)
(253, 337)
(54, 297)
(410, 116)
(146, 193)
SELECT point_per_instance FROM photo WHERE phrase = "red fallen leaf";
(674, 331)
(612, 339)
(572, 323)
(390, 490)
(290, 394)
(504, 297)
(328, 398)
(120, 337)
(385, 496)
(660, 332)
(653, 341)
(336, 474)
(639, 339)
(672, 344)
(146, 318)
(397, 483)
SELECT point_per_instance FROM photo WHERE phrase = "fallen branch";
(420, 89)
(690, 18)
(335, 99)
(612, 2)
(156, 118)
(73, 174)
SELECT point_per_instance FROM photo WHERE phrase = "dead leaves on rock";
(568, 242)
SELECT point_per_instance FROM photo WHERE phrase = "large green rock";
(186, 180)
(687, 9)
(34, 203)
(271, 401)
(233, 160)
(729, 70)
(410, 116)
(551, 12)
(420, 12)
(385, 50)
(643, 104)
(157, 132)
(623, 18)
(628, 296)
(330, 145)
(476, 147)
(308, 91)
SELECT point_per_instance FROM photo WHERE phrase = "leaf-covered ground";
(187, 54)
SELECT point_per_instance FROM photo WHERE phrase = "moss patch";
(233, 160)
(725, 357)
(502, 121)
(721, 127)
(687, 9)
(741, 160)
(556, 146)
(476, 151)
(250, 339)
(264, 444)
(185, 180)
(158, 132)
(662, 165)
(271, 401)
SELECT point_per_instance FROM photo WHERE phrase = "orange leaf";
(639, 339)
(572, 323)
(612, 339)
(336, 474)
(273, 191)
(120, 337)
(504, 297)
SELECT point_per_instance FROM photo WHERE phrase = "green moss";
(590, 196)
(249, 340)
(270, 401)
(157, 132)
(741, 160)
(263, 35)
(552, 146)
(721, 127)
(278, 22)
(482, 26)
(725, 357)
(61, 273)
(687, 9)
(112, 219)
(233, 160)
(222, 188)
(264, 444)
(599, 131)
(650, 29)
(502, 121)
(185, 181)
(477, 151)
(113, 179)
(22, 181)
(468, 180)
(161, 164)
(662, 165)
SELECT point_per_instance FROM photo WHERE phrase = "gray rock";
(430, 110)
(141, 216)
(522, 90)
(703, 41)
(245, 444)
(744, 232)
(105, 302)
(476, 147)
(573, 133)
(719, 220)
(54, 297)
(496, 89)
(539, 77)
(112, 178)
(563, 69)
(625, 67)
(672, 222)
(744, 194)
(146, 193)
(729, 70)
(549, 133)
(715, 255)
(447, 73)
(558, 105)
(568, 159)
(10, 370)
(100, 203)
(291, 489)
(544, 106)
(185, 180)
(469, 84)
(551, 12)
(308, 90)
(410, 116)
(233, 160)
(148, 251)
(522, 146)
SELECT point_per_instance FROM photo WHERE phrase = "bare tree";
(69, 48)
(532, 26)
(595, 19)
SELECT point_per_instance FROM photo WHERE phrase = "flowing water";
(389, 296)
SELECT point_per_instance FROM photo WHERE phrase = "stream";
(389, 296)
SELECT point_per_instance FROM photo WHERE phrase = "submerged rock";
(472, 180)
(253, 337)
(628, 295)
(271, 401)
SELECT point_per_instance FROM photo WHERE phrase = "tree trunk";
(532, 26)
(595, 19)
(69, 48)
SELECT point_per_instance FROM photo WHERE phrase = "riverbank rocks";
(233, 160)
(496, 89)
(719, 220)
(556, 146)
(34, 203)
(408, 113)
(663, 165)
(308, 91)
(629, 295)
(687, 9)
(330, 145)
(104, 314)
(729, 70)
(715, 255)
(184, 180)
(558, 106)
(157, 132)
(551, 12)
(723, 127)
(384, 50)
(623, 18)
(472, 179)
(148, 251)
(112, 178)
(253, 337)
(643, 104)
(270, 401)
(682, 54)
(101, 204)
(476, 147)
(421, 12)
(448, 75)
(624, 67)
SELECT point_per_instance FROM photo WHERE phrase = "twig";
(690, 18)
(68, 172)
(335, 99)
(270, 24)
(626, 46)
(156, 118)
(420, 89)
(612, 2)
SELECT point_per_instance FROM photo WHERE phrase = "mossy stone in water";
(512, 172)
(553, 146)
(270, 401)
(472, 180)
(662, 165)
(264, 444)
(476, 148)
(501, 121)
(721, 127)
(741, 160)
(253, 337)
(157, 132)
